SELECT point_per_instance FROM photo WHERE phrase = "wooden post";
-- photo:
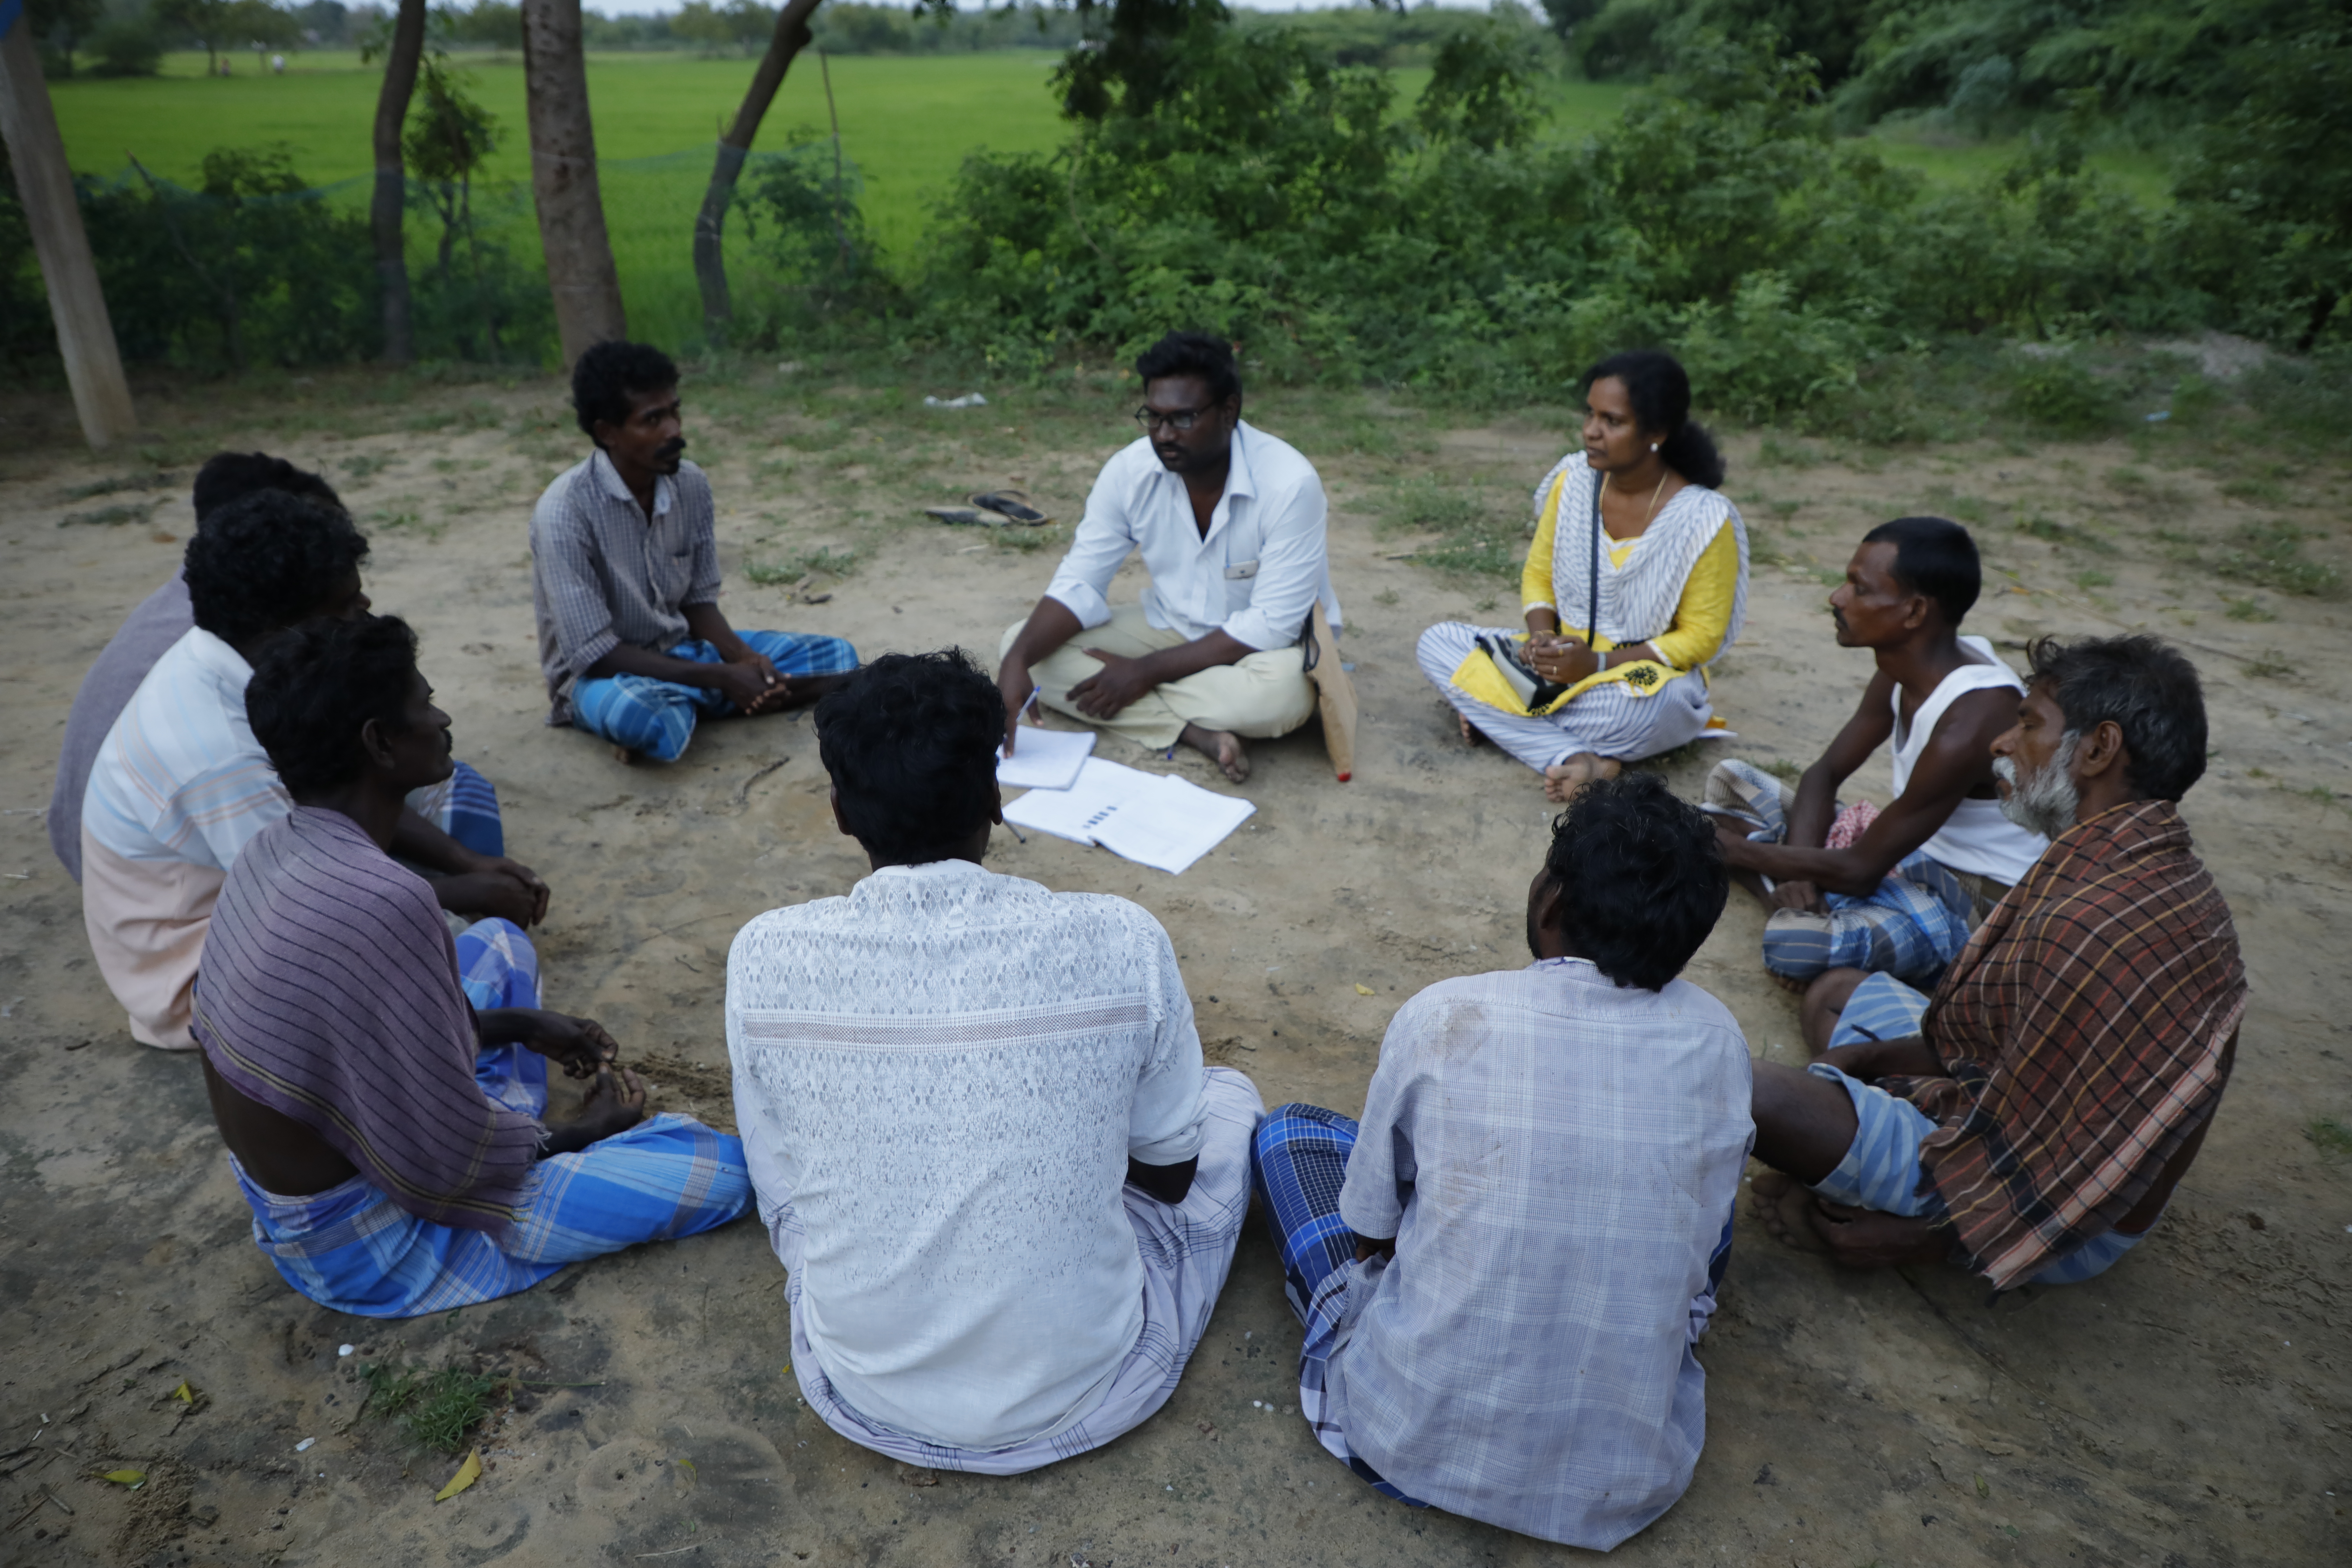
(572, 234)
(44, 183)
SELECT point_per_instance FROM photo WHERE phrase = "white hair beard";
(2045, 800)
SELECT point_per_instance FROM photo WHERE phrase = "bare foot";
(1222, 747)
(1786, 1208)
(613, 1103)
(1788, 983)
(1564, 778)
(622, 755)
(1471, 734)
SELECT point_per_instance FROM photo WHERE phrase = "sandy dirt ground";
(2189, 1408)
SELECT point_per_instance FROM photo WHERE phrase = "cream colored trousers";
(1264, 695)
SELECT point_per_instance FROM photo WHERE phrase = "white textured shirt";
(180, 776)
(939, 1080)
(602, 575)
(1557, 1158)
(1254, 574)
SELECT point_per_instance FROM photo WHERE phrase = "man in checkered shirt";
(624, 580)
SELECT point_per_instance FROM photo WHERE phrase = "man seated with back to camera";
(1504, 1266)
(2031, 1120)
(1005, 1187)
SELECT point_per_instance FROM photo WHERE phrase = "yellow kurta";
(1702, 615)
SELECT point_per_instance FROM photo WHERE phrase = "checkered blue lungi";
(1881, 1168)
(656, 717)
(464, 806)
(1916, 922)
(353, 1249)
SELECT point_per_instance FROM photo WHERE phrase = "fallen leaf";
(184, 1394)
(1363, 991)
(468, 1474)
(127, 1477)
(1982, 1489)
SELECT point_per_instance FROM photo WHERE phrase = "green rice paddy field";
(907, 122)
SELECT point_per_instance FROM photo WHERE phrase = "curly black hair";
(1640, 878)
(268, 561)
(910, 742)
(233, 476)
(1193, 353)
(316, 686)
(610, 374)
(1660, 391)
(2143, 683)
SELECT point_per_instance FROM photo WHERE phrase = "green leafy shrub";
(2060, 394)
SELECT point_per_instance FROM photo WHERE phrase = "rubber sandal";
(1014, 504)
(964, 516)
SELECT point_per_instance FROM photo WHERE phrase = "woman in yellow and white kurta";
(1634, 521)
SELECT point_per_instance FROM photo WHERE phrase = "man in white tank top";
(1860, 891)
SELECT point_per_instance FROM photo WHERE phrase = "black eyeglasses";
(1180, 421)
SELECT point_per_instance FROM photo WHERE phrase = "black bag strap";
(1593, 576)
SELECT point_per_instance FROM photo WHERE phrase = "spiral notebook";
(1154, 819)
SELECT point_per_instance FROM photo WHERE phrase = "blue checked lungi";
(1881, 1168)
(353, 1249)
(1916, 922)
(464, 806)
(657, 717)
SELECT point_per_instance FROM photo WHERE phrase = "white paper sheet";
(1154, 819)
(1074, 813)
(1044, 759)
(1171, 823)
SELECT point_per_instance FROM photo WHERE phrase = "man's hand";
(1120, 683)
(1802, 897)
(579, 1045)
(776, 688)
(751, 686)
(615, 1103)
(1865, 1238)
(494, 885)
(1012, 683)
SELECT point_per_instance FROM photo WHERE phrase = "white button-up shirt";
(1256, 573)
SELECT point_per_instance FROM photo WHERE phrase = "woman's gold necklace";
(1654, 494)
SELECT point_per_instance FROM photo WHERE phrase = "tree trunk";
(391, 180)
(791, 36)
(45, 185)
(580, 270)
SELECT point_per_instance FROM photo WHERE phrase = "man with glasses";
(1229, 521)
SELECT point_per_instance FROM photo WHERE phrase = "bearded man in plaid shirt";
(2031, 1120)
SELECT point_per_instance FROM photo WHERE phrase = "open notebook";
(1153, 819)
(1044, 759)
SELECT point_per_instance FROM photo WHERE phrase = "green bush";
(126, 46)
(2059, 395)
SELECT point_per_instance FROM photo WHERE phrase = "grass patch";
(1473, 541)
(116, 484)
(2330, 1136)
(105, 517)
(435, 1409)
(2249, 610)
(2050, 531)
(792, 570)
(367, 465)
(2271, 553)
(1784, 770)
(2088, 579)
(2270, 664)
(1778, 453)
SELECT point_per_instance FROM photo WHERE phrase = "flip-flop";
(964, 515)
(1014, 504)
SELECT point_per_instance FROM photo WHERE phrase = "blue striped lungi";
(353, 1249)
(464, 806)
(656, 717)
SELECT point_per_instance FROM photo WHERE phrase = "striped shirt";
(177, 791)
(602, 576)
(330, 993)
(1557, 1158)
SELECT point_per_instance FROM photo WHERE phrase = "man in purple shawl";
(386, 1134)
